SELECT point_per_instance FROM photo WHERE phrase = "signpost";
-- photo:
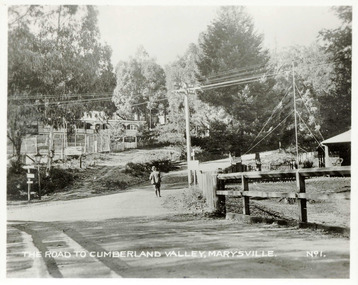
(29, 175)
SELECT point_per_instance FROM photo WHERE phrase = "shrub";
(137, 169)
(120, 181)
(143, 169)
(16, 167)
(307, 164)
(57, 180)
(16, 186)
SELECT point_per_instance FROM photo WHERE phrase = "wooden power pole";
(294, 104)
(184, 90)
(187, 128)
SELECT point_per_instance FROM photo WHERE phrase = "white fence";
(89, 143)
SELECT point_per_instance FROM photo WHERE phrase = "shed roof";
(341, 138)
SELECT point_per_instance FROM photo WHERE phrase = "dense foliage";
(140, 88)
(57, 67)
(55, 53)
(336, 106)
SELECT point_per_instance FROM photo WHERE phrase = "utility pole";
(294, 104)
(185, 91)
(187, 127)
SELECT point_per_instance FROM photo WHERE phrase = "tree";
(336, 105)
(313, 71)
(231, 49)
(118, 131)
(185, 69)
(24, 63)
(140, 87)
(55, 56)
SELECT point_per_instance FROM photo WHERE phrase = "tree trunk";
(50, 152)
(17, 146)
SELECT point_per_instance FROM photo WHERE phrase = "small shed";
(335, 151)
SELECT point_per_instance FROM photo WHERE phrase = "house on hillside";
(335, 151)
(93, 136)
(129, 129)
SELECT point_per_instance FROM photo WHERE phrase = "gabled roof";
(341, 138)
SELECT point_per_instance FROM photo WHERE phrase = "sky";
(166, 31)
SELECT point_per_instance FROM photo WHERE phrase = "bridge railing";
(216, 190)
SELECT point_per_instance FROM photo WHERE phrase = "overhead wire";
(299, 93)
(238, 70)
(232, 72)
(270, 132)
(234, 82)
(67, 102)
(272, 114)
(247, 69)
(238, 74)
(251, 69)
(42, 97)
(85, 101)
(308, 129)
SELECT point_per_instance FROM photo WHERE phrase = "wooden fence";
(215, 187)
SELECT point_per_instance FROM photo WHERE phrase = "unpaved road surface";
(132, 234)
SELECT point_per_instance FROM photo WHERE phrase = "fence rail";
(261, 194)
(305, 172)
(214, 186)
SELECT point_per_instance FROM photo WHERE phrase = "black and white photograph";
(178, 140)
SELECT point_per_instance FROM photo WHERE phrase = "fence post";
(219, 200)
(246, 200)
(302, 203)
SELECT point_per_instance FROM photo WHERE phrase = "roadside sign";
(30, 182)
(29, 167)
(30, 175)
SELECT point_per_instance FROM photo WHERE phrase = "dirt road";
(132, 234)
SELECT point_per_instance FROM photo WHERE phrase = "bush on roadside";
(57, 180)
(143, 169)
(17, 182)
(307, 164)
(16, 186)
(16, 167)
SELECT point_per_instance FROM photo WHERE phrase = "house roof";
(341, 138)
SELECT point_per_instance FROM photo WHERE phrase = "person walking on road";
(155, 180)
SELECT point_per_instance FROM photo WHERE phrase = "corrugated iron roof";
(341, 138)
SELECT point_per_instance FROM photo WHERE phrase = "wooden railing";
(217, 198)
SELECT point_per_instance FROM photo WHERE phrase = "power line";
(41, 97)
(308, 129)
(231, 73)
(273, 112)
(245, 68)
(150, 102)
(234, 75)
(87, 101)
(233, 82)
(299, 93)
(270, 132)
(69, 102)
